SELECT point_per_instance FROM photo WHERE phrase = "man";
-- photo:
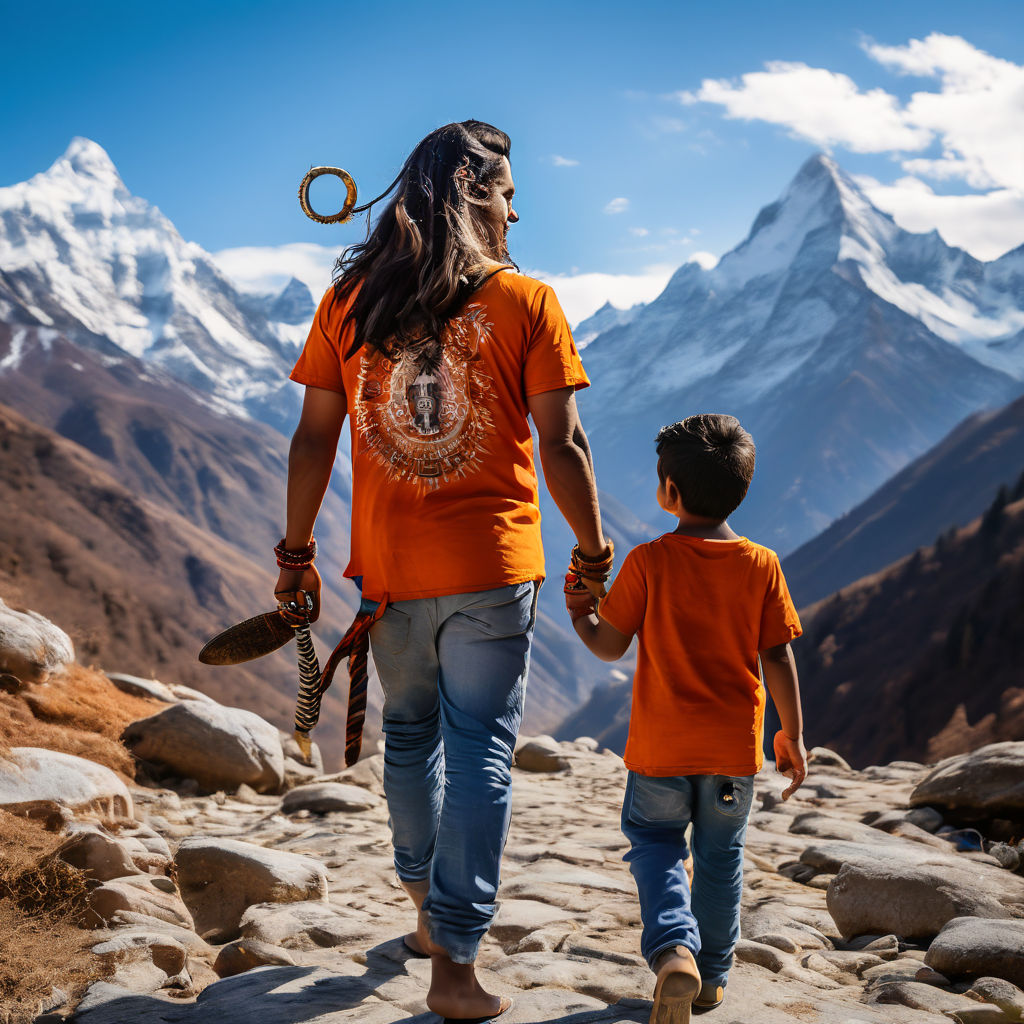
(439, 352)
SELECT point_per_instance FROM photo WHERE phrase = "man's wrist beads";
(295, 560)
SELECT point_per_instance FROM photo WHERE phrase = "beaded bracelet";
(298, 560)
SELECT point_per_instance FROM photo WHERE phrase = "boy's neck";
(706, 529)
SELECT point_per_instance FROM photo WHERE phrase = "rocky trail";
(266, 893)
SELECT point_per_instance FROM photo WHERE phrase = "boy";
(706, 605)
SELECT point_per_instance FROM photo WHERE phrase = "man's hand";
(290, 582)
(790, 760)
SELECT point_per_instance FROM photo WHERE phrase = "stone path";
(565, 944)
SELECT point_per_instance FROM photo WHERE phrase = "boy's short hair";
(710, 459)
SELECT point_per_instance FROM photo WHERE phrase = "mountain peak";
(88, 159)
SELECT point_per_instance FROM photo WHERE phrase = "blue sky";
(628, 156)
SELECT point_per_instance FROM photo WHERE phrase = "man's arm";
(568, 465)
(601, 638)
(781, 680)
(310, 460)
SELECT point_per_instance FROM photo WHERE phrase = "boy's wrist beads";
(295, 560)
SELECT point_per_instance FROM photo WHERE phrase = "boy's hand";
(579, 601)
(790, 760)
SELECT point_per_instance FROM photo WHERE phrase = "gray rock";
(972, 947)
(34, 775)
(750, 952)
(136, 894)
(96, 852)
(540, 754)
(221, 878)
(518, 918)
(988, 782)
(136, 686)
(1003, 994)
(166, 952)
(305, 926)
(245, 954)
(31, 647)
(927, 818)
(1007, 855)
(217, 746)
(325, 797)
(920, 997)
(911, 901)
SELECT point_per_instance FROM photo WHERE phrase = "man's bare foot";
(456, 994)
(419, 941)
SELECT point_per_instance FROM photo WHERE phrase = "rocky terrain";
(212, 877)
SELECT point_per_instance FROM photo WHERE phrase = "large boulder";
(137, 894)
(909, 889)
(541, 754)
(220, 878)
(987, 783)
(31, 647)
(34, 777)
(219, 747)
(974, 947)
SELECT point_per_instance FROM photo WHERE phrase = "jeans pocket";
(657, 801)
(505, 611)
(389, 635)
(733, 795)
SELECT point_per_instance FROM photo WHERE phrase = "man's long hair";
(428, 249)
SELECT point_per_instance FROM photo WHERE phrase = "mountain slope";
(948, 486)
(845, 344)
(923, 660)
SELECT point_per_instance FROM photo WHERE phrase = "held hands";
(791, 761)
(579, 601)
(585, 581)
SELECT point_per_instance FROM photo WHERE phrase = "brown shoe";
(677, 985)
(709, 997)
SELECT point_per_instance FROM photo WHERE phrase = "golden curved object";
(344, 214)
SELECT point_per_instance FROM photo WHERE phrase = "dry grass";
(42, 899)
(80, 713)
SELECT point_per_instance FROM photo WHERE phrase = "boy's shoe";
(709, 997)
(677, 986)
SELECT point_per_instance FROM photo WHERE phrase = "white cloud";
(269, 268)
(707, 260)
(822, 106)
(986, 224)
(972, 116)
(581, 295)
(639, 232)
(618, 205)
(564, 161)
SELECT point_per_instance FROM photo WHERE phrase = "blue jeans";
(655, 813)
(453, 670)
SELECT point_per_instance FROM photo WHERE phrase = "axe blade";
(246, 641)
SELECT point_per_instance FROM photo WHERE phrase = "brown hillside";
(923, 659)
(137, 586)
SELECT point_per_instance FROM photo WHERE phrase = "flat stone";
(167, 953)
(246, 954)
(325, 797)
(136, 686)
(1003, 994)
(306, 926)
(748, 952)
(517, 918)
(920, 997)
(34, 774)
(217, 746)
(220, 878)
(972, 947)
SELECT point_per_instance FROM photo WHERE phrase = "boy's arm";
(781, 680)
(602, 638)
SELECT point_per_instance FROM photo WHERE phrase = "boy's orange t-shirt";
(444, 488)
(701, 609)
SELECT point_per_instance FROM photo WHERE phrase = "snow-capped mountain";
(847, 346)
(81, 255)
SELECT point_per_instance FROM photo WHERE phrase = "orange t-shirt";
(444, 489)
(702, 610)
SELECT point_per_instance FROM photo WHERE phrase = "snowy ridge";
(81, 254)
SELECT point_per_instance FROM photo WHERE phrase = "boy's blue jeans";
(655, 813)
(453, 670)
